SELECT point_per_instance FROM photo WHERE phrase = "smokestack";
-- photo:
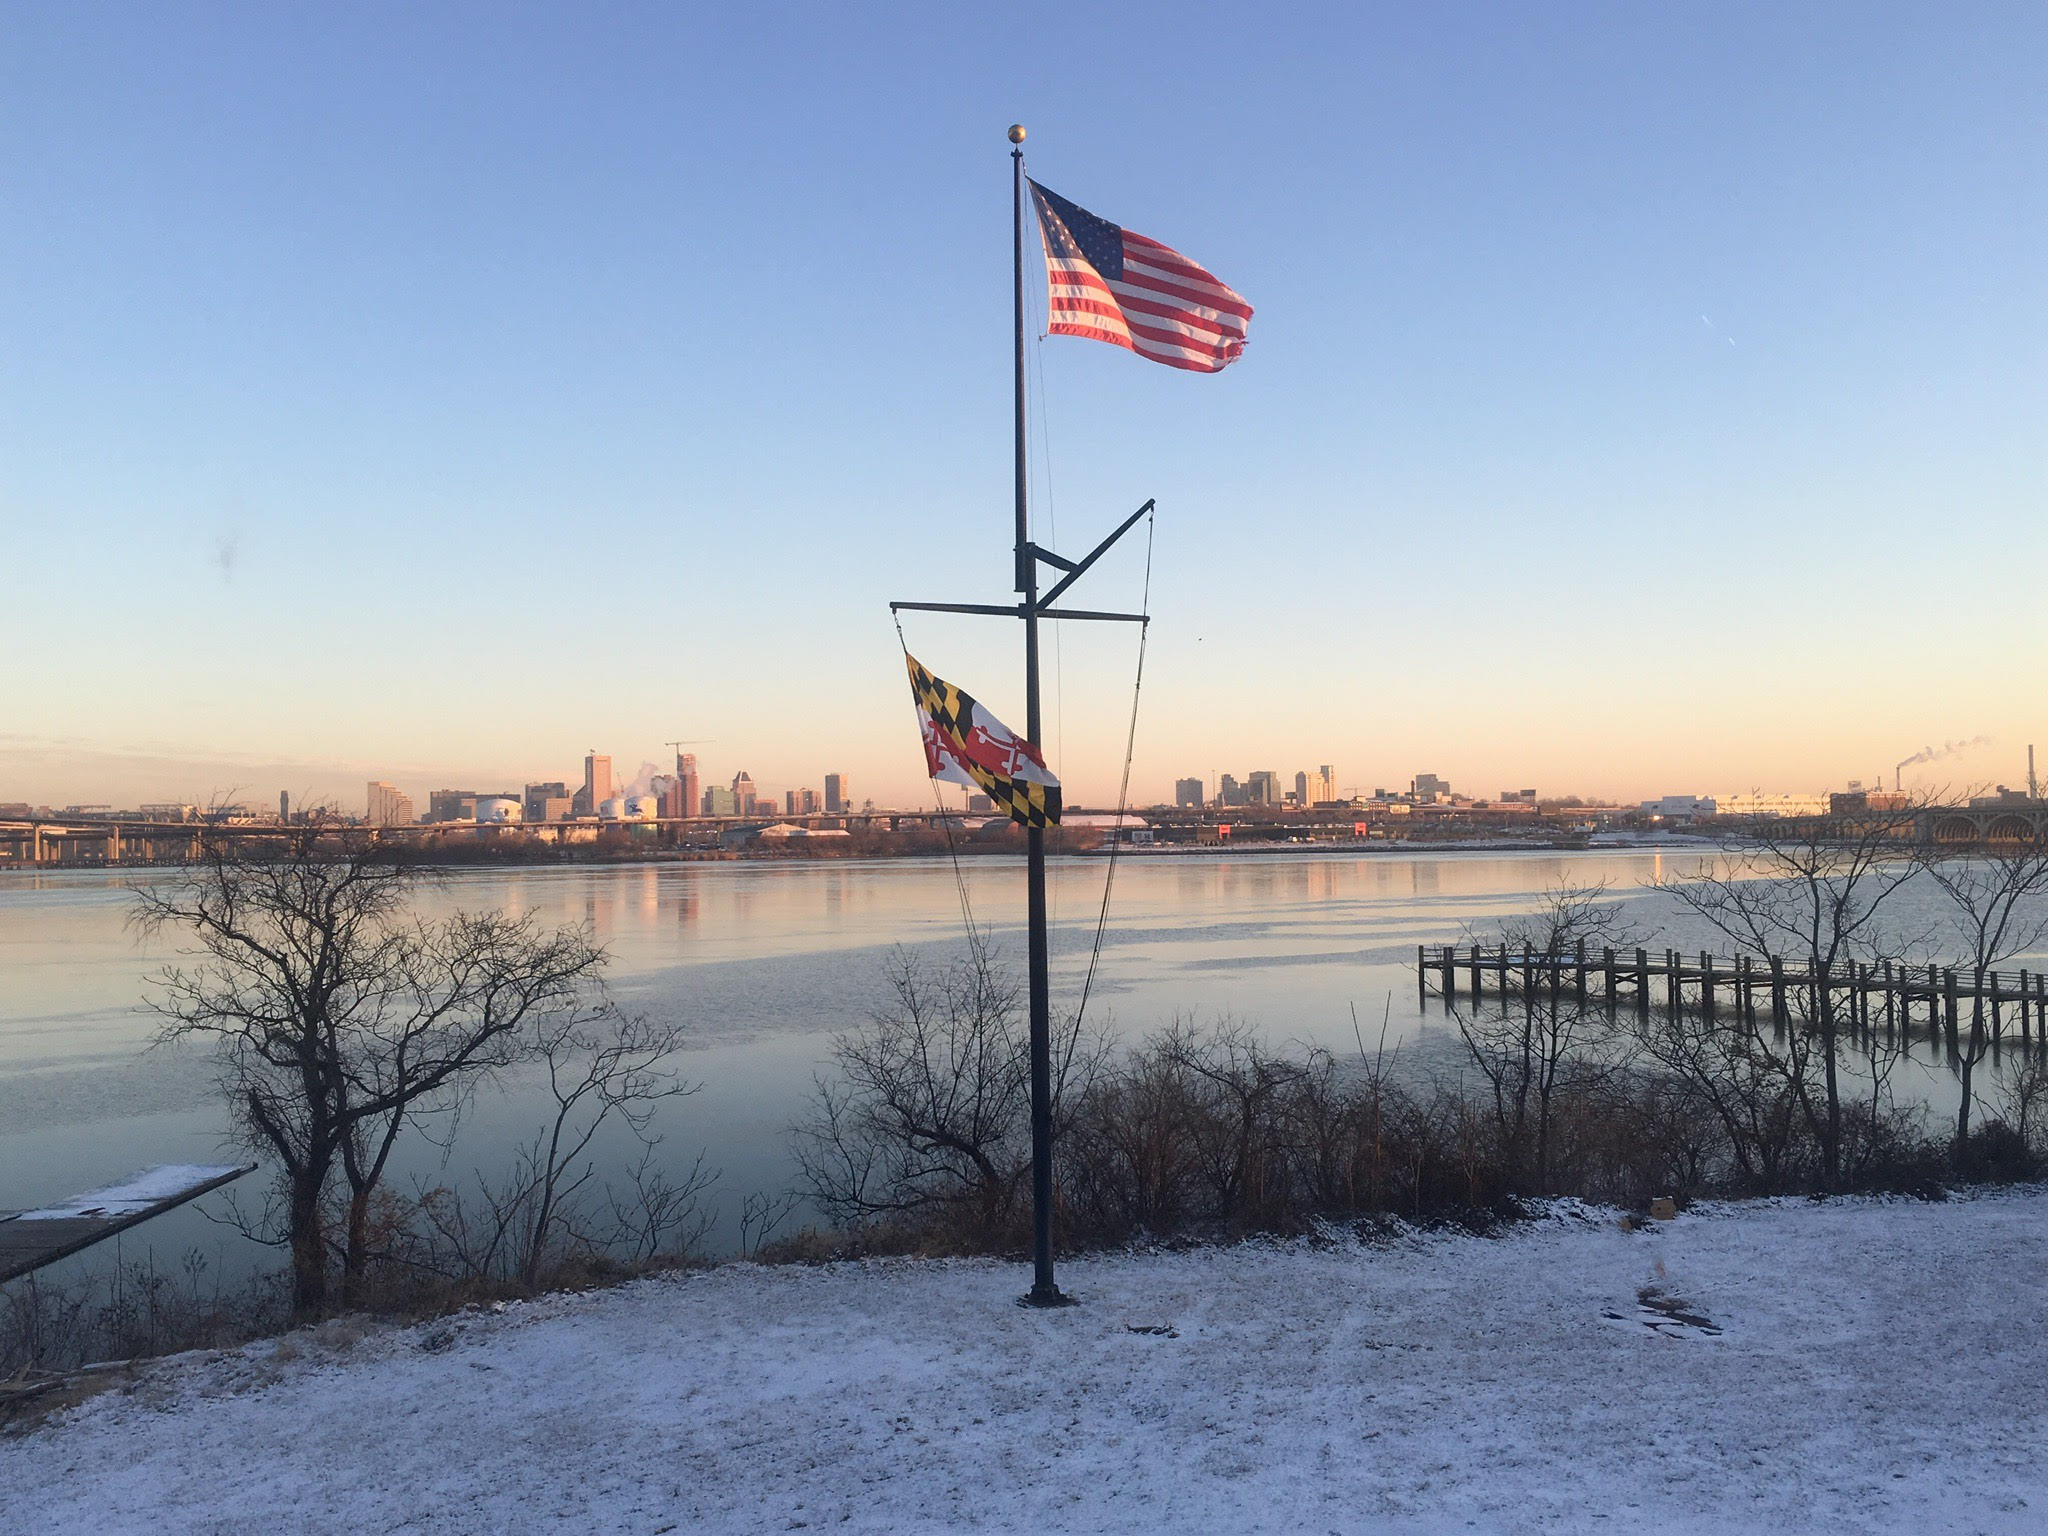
(2033, 785)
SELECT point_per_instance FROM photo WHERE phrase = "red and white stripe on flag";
(1108, 284)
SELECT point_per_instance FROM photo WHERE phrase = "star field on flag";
(1108, 284)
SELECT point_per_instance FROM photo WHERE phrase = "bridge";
(2010, 822)
(100, 841)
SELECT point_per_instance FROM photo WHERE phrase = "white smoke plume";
(643, 781)
(1936, 754)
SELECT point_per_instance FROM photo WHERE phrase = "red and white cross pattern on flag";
(965, 744)
(1107, 284)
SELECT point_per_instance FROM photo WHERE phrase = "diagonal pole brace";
(1075, 572)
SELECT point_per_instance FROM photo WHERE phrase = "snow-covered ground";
(1847, 1366)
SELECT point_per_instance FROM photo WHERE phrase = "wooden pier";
(1887, 995)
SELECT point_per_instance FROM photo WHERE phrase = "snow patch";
(1877, 1367)
(134, 1194)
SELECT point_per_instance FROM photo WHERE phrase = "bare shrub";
(928, 1120)
(1546, 1046)
(2024, 1102)
(129, 1310)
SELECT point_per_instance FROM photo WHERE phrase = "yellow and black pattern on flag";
(950, 712)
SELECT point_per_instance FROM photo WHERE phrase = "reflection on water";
(764, 962)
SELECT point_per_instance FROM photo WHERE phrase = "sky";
(1639, 400)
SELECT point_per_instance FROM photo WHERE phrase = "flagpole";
(1045, 1292)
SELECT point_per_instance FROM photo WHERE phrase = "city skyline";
(1935, 769)
(1631, 407)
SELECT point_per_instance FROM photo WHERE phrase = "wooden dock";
(31, 1239)
(1887, 995)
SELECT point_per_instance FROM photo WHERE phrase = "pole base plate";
(1047, 1296)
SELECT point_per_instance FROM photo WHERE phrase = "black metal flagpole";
(1045, 1291)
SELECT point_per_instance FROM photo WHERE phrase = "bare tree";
(761, 1213)
(597, 1069)
(1812, 889)
(1528, 1051)
(659, 1212)
(338, 1017)
(1996, 912)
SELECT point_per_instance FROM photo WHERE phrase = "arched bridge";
(1962, 825)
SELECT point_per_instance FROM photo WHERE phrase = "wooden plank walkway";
(1889, 994)
(31, 1239)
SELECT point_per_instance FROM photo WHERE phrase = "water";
(763, 963)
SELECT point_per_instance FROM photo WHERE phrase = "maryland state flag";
(966, 744)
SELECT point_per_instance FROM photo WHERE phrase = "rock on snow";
(1870, 1366)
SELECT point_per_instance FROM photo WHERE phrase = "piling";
(1846, 997)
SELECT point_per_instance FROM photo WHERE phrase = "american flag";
(1106, 283)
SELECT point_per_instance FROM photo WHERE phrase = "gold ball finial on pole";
(1016, 133)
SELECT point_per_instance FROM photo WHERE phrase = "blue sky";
(1639, 399)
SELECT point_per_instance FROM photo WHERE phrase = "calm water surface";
(764, 962)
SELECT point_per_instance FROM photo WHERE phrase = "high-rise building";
(1263, 788)
(1189, 793)
(1229, 791)
(1325, 784)
(743, 793)
(1301, 788)
(284, 805)
(838, 795)
(388, 808)
(719, 801)
(1428, 788)
(451, 805)
(808, 804)
(597, 784)
(689, 791)
(534, 803)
